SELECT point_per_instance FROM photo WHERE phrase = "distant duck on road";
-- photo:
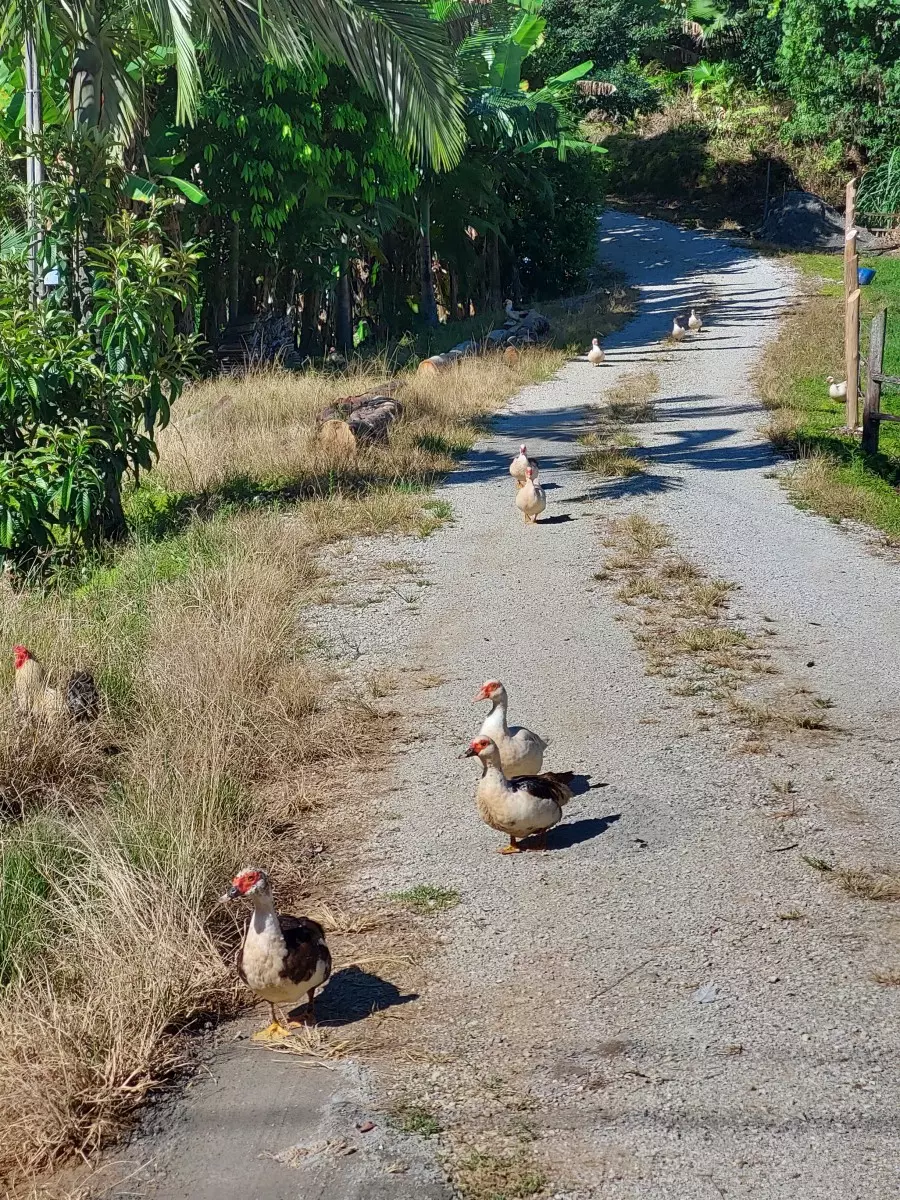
(520, 464)
(531, 499)
(595, 355)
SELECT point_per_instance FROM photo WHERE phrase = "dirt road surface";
(670, 1003)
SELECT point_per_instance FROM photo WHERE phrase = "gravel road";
(564, 1013)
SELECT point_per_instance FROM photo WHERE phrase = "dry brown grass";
(630, 401)
(636, 539)
(262, 427)
(610, 448)
(870, 883)
(700, 639)
(705, 598)
(814, 483)
(684, 629)
(796, 353)
(483, 1176)
(783, 430)
(316, 1043)
(642, 587)
(610, 461)
(227, 734)
(792, 712)
(888, 978)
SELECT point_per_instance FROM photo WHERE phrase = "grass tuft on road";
(427, 899)
(483, 1176)
(681, 620)
(414, 1119)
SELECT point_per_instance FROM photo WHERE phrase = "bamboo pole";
(851, 307)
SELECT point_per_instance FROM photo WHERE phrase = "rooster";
(34, 697)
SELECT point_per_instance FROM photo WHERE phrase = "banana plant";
(503, 116)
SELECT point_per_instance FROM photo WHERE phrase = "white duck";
(514, 314)
(521, 751)
(531, 499)
(695, 324)
(837, 391)
(595, 355)
(520, 465)
(679, 333)
(517, 807)
(282, 958)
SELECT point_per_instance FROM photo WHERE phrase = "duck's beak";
(468, 753)
(233, 893)
(482, 695)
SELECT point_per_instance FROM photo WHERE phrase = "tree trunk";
(86, 87)
(343, 319)
(495, 300)
(114, 527)
(309, 324)
(34, 166)
(453, 302)
(234, 269)
(427, 303)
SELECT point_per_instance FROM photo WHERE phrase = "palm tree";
(392, 47)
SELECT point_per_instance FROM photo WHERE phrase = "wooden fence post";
(871, 423)
(851, 307)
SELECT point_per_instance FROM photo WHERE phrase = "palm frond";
(393, 48)
(400, 55)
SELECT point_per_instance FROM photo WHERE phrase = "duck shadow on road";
(559, 519)
(353, 994)
(573, 833)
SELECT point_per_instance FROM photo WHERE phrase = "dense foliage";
(352, 170)
(839, 61)
(830, 68)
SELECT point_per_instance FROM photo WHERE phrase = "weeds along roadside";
(111, 939)
(831, 476)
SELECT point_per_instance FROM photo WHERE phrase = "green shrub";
(80, 400)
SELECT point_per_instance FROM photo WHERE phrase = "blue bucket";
(866, 275)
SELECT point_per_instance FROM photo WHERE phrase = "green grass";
(415, 1119)
(484, 1176)
(834, 478)
(426, 898)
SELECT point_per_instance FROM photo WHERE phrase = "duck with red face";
(521, 751)
(282, 959)
(530, 804)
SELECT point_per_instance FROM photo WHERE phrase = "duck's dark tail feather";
(561, 784)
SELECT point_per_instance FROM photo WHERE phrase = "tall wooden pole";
(34, 166)
(851, 307)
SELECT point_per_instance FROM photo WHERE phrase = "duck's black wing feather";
(306, 949)
(551, 785)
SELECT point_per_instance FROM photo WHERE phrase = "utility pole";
(34, 166)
